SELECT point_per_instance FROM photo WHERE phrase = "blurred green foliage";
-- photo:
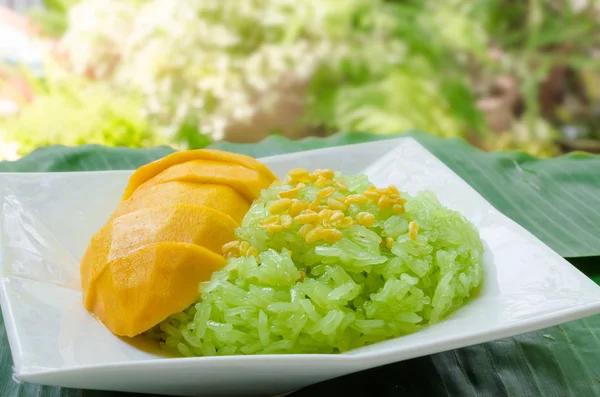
(72, 111)
(198, 67)
(539, 36)
(448, 55)
(52, 18)
(224, 63)
(429, 89)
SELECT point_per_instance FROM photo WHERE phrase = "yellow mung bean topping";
(413, 230)
(365, 219)
(293, 192)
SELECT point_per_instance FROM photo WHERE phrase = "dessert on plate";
(208, 253)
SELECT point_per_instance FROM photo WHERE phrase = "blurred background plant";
(506, 75)
(69, 110)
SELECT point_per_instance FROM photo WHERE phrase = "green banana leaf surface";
(557, 199)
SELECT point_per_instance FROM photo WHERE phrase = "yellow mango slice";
(94, 258)
(220, 197)
(248, 183)
(203, 226)
(139, 290)
(151, 170)
(165, 236)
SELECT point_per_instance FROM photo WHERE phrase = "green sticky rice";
(330, 298)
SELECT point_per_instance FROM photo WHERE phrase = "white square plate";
(47, 220)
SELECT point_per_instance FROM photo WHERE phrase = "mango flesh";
(165, 236)
(181, 223)
(204, 226)
(150, 170)
(248, 183)
(146, 286)
(220, 197)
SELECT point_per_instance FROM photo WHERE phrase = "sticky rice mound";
(325, 263)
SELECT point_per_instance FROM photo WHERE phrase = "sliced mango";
(248, 183)
(150, 170)
(220, 197)
(138, 291)
(203, 226)
(165, 236)
(94, 259)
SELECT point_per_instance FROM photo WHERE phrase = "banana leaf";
(556, 199)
